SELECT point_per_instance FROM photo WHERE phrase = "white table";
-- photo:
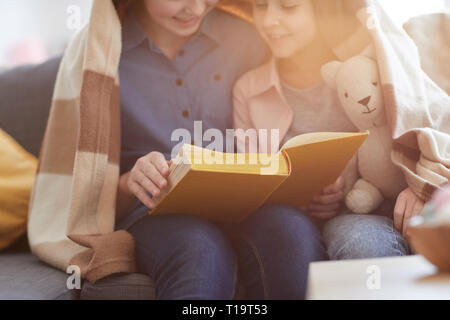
(409, 277)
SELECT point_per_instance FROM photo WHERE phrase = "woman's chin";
(185, 32)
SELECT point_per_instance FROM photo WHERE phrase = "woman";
(179, 61)
(288, 94)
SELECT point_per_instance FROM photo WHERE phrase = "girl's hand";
(407, 206)
(148, 175)
(329, 203)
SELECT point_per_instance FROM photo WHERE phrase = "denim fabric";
(191, 258)
(354, 236)
(119, 286)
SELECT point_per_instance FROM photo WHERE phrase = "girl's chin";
(282, 53)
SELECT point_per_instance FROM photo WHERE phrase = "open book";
(228, 187)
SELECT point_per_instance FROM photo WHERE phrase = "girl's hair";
(122, 8)
(336, 19)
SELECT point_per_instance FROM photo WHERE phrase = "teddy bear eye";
(375, 83)
(346, 95)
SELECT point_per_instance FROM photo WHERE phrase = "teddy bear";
(359, 89)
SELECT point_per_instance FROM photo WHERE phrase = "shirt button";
(179, 82)
(181, 53)
(217, 77)
(185, 114)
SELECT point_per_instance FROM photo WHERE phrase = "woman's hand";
(148, 175)
(407, 206)
(329, 203)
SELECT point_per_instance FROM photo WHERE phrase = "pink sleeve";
(241, 116)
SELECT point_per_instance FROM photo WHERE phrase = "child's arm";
(329, 203)
(407, 206)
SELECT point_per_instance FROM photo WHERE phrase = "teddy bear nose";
(365, 101)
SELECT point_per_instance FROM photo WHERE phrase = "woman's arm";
(147, 176)
(125, 199)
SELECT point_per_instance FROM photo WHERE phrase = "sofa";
(26, 94)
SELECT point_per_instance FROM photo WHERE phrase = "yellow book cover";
(228, 187)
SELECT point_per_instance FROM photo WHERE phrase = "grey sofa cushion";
(26, 94)
(14, 281)
(24, 107)
(121, 286)
(23, 276)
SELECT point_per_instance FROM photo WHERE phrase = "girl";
(288, 94)
(179, 61)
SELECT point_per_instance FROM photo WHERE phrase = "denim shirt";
(159, 95)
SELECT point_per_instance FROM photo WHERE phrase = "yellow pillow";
(17, 174)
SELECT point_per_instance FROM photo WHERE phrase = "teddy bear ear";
(329, 72)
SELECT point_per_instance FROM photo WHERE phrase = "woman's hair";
(122, 8)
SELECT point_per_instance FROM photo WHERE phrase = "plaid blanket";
(72, 208)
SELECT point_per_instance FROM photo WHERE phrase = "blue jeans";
(353, 236)
(191, 258)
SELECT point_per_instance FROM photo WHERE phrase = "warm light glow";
(31, 30)
(402, 10)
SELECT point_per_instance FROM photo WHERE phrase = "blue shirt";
(159, 95)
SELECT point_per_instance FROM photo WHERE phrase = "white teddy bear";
(359, 89)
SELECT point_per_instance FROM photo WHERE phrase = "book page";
(314, 137)
(248, 163)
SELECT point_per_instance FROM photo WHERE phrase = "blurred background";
(31, 31)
